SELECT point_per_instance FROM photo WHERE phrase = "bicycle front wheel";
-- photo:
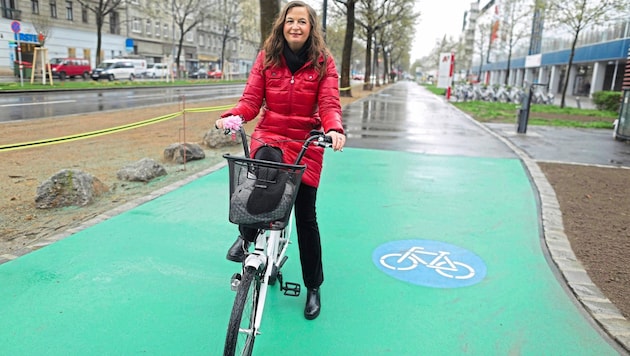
(240, 333)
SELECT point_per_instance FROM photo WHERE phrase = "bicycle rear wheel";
(240, 333)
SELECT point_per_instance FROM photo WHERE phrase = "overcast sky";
(437, 18)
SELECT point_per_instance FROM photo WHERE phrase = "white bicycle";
(439, 262)
(261, 268)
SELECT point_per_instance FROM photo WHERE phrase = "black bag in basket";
(265, 194)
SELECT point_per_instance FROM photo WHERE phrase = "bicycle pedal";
(291, 289)
(235, 281)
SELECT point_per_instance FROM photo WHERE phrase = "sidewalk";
(417, 175)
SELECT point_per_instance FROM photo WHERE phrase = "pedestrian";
(295, 82)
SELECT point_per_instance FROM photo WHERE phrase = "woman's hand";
(338, 140)
(230, 123)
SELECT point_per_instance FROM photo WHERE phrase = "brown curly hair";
(274, 44)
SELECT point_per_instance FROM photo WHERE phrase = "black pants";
(308, 236)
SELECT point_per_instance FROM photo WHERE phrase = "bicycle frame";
(267, 256)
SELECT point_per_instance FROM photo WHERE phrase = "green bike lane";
(154, 279)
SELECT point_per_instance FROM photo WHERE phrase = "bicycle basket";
(262, 193)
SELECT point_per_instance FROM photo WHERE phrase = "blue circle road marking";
(15, 27)
(429, 263)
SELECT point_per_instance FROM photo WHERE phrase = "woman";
(295, 81)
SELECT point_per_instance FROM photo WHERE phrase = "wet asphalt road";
(36, 105)
(407, 117)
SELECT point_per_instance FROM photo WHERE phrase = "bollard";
(577, 101)
(523, 112)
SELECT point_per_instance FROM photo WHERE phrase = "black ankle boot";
(237, 252)
(313, 304)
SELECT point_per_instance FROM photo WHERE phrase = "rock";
(141, 171)
(216, 138)
(68, 187)
(175, 152)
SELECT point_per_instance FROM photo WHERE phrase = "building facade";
(540, 54)
(139, 29)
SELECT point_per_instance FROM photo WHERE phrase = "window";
(165, 31)
(84, 14)
(148, 27)
(157, 29)
(35, 6)
(69, 15)
(135, 25)
(53, 9)
(201, 40)
(9, 10)
(189, 36)
(114, 23)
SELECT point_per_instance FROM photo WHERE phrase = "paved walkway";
(418, 177)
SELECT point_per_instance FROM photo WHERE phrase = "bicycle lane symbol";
(429, 263)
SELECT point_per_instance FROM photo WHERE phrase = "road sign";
(15, 26)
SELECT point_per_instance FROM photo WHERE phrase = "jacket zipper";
(291, 92)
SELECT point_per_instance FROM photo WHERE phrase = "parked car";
(113, 69)
(357, 77)
(157, 70)
(63, 68)
(199, 74)
(215, 74)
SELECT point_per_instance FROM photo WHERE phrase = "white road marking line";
(40, 103)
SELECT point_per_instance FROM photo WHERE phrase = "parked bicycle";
(262, 267)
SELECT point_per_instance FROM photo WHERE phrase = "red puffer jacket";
(294, 104)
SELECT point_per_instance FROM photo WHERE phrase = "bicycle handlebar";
(318, 138)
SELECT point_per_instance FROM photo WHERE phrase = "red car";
(216, 74)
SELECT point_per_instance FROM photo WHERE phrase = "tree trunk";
(367, 83)
(568, 71)
(346, 57)
(99, 31)
(507, 73)
(269, 10)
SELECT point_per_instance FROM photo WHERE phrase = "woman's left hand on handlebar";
(338, 140)
(219, 124)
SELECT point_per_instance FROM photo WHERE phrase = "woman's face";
(297, 27)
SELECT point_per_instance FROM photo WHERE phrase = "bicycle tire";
(240, 334)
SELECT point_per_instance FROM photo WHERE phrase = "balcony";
(11, 14)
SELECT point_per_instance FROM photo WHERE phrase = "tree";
(269, 10)
(229, 15)
(514, 27)
(101, 9)
(482, 43)
(346, 57)
(374, 15)
(43, 26)
(577, 16)
(395, 38)
(187, 14)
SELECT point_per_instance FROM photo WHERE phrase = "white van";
(112, 69)
(140, 66)
(157, 70)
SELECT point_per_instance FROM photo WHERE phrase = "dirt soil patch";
(594, 201)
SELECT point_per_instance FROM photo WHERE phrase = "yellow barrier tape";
(344, 89)
(57, 140)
